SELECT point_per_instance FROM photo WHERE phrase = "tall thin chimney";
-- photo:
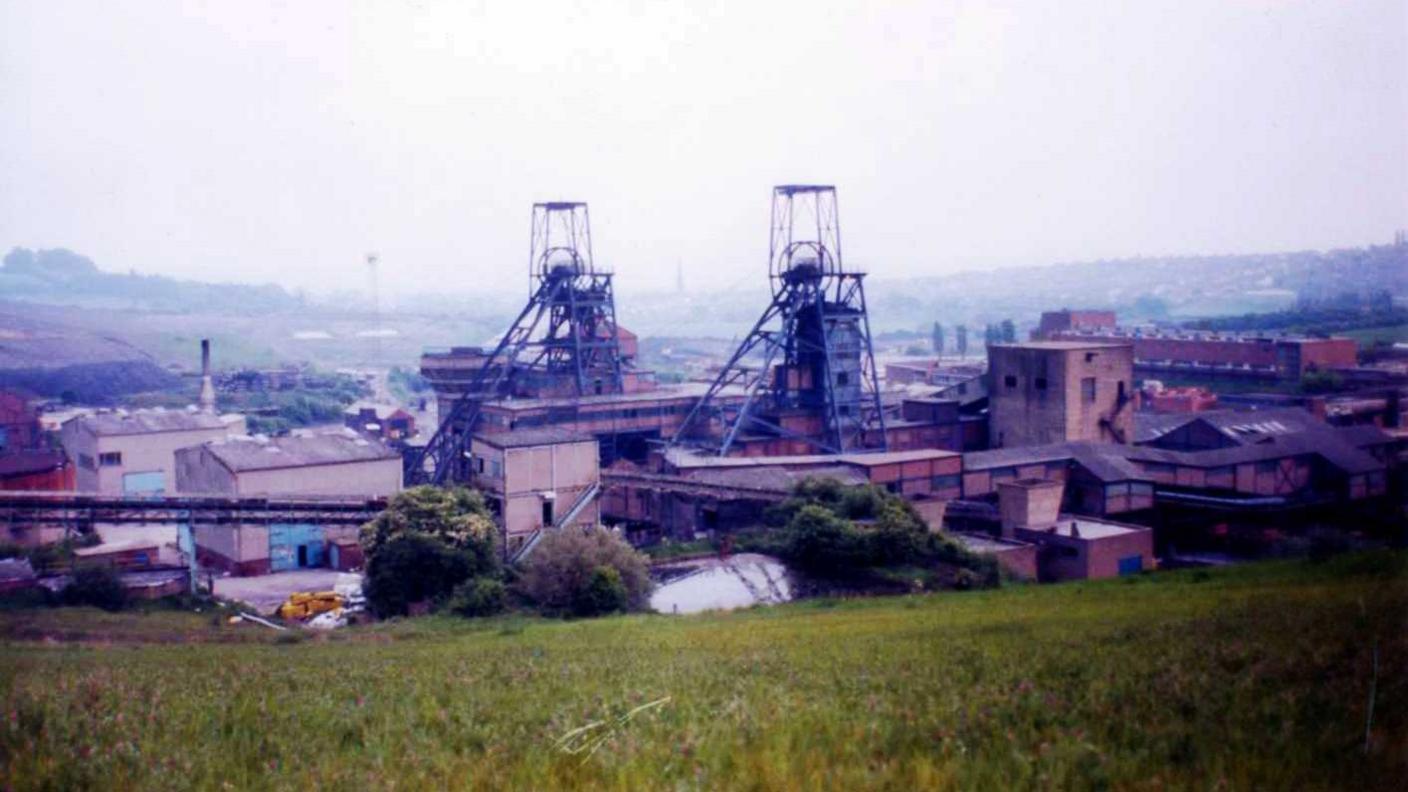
(207, 385)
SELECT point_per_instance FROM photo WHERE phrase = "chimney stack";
(207, 385)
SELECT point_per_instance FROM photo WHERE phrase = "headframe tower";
(564, 341)
(817, 381)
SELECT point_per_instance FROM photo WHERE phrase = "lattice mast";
(563, 343)
(816, 381)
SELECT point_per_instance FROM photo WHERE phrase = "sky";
(283, 141)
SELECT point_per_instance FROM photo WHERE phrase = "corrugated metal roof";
(241, 454)
(109, 424)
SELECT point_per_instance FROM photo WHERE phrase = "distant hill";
(62, 361)
(1138, 288)
(64, 277)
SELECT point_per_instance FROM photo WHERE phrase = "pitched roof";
(151, 421)
(241, 454)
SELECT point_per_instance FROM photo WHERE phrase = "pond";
(721, 584)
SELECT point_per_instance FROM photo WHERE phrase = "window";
(1041, 383)
(87, 462)
(1267, 467)
(110, 458)
(943, 482)
(1087, 389)
(1010, 381)
(843, 378)
(4, 438)
(547, 513)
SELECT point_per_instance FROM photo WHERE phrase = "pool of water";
(722, 584)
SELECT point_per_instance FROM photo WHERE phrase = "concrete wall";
(524, 479)
(1037, 394)
(374, 478)
(143, 453)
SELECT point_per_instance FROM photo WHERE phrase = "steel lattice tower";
(817, 381)
(564, 341)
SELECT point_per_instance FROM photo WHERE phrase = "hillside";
(1251, 677)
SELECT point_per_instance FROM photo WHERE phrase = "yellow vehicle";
(305, 604)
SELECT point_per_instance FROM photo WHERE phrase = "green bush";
(425, 544)
(481, 596)
(603, 594)
(564, 574)
(100, 587)
(414, 568)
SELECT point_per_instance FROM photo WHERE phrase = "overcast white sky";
(245, 140)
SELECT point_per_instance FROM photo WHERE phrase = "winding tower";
(563, 343)
(807, 367)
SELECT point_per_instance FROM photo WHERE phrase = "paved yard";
(267, 592)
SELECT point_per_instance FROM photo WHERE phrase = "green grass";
(1256, 677)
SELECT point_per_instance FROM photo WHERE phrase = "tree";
(961, 340)
(936, 338)
(414, 568)
(1009, 331)
(564, 575)
(458, 517)
(424, 545)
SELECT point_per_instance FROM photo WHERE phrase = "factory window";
(943, 482)
(110, 458)
(844, 409)
(1267, 467)
(843, 378)
(547, 513)
(1010, 381)
(1041, 383)
(87, 462)
(1087, 389)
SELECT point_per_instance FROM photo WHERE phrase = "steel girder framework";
(813, 340)
(78, 509)
(566, 333)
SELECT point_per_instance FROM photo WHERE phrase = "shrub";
(457, 517)
(604, 593)
(414, 568)
(481, 596)
(819, 541)
(563, 575)
(100, 587)
(426, 543)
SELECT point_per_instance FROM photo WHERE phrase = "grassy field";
(1255, 677)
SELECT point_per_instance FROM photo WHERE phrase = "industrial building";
(135, 452)
(538, 478)
(315, 465)
(687, 493)
(1232, 459)
(1037, 540)
(1044, 392)
(27, 462)
(1206, 353)
(386, 422)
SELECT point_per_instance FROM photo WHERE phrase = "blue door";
(1131, 565)
(296, 545)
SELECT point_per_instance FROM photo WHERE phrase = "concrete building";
(135, 452)
(1045, 392)
(1036, 540)
(538, 478)
(336, 464)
